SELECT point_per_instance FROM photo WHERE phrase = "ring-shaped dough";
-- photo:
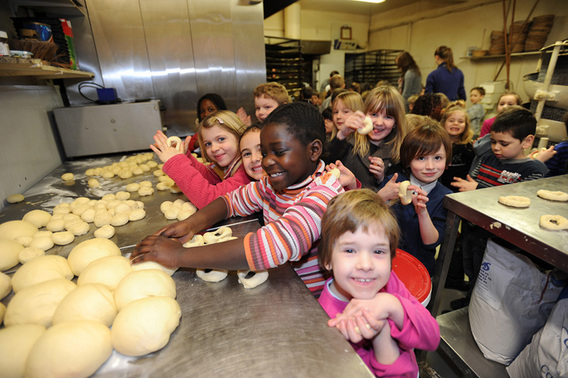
(178, 144)
(554, 222)
(552, 195)
(368, 122)
(405, 194)
(195, 241)
(218, 235)
(211, 275)
(335, 172)
(250, 279)
(515, 201)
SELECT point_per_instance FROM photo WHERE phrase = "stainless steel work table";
(277, 329)
(516, 225)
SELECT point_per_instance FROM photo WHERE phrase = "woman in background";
(447, 78)
(410, 81)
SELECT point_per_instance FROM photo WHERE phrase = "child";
(370, 157)
(218, 137)
(330, 129)
(476, 112)
(504, 162)
(507, 99)
(411, 101)
(292, 197)
(251, 153)
(345, 104)
(431, 105)
(336, 82)
(365, 299)
(425, 151)
(456, 122)
(207, 104)
(267, 97)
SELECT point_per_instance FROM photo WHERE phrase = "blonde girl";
(222, 172)
(345, 104)
(372, 156)
(508, 98)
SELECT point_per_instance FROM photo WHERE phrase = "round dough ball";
(125, 173)
(42, 242)
(145, 184)
(144, 326)
(136, 215)
(14, 229)
(90, 172)
(109, 197)
(145, 191)
(144, 283)
(152, 265)
(29, 253)
(15, 345)
(92, 301)
(122, 208)
(158, 173)
(9, 250)
(41, 269)
(63, 350)
(5, 286)
(123, 196)
(102, 218)
(90, 250)
(133, 187)
(15, 198)
(107, 231)
(78, 202)
(25, 240)
(119, 219)
(40, 234)
(89, 215)
(79, 228)
(62, 208)
(55, 225)
(108, 270)
(37, 303)
(108, 174)
(162, 186)
(93, 183)
(38, 218)
(63, 237)
(67, 176)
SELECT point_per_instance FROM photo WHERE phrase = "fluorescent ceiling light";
(371, 1)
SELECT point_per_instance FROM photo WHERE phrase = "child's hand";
(545, 155)
(245, 119)
(347, 178)
(352, 123)
(465, 185)
(390, 190)
(419, 200)
(377, 168)
(161, 148)
(360, 327)
(163, 250)
(381, 307)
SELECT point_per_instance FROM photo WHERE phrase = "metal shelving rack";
(372, 66)
(285, 63)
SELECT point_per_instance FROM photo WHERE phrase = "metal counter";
(277, 329)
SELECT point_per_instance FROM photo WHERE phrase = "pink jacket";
(198, 182)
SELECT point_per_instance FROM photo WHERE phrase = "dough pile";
(90, 250)
(178, 209)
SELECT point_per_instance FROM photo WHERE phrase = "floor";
(435, 365)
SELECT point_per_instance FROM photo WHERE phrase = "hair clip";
(219, 120)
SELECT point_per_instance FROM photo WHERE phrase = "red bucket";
(414, 275)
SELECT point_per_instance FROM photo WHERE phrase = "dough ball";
(119, 219)
(123, 196)
(144, 326)
(63, 237)
(15, 345)
(153, 265)
(5, 286)
(165, 206)
(102, 218)
(107, 231)
(40, 234)
(92, 301)
(152, 164)
(29, 253)
(172, 213)
(175, 189)
(79, 210)
(2, 312)
(93, 183)
(79, 228)
(162, 186)
(25, 240)
(125, 173)
(145, 191)
(63, 350)
(41, 269)
(90, 172)
(145, 184)
(90, 250)
(109, 197)
(137, 171)
(14, 229)
(9, 250)
(15, 198)
(68, 177)
(158, 173)
(55, 225)
(42, 242)
(143, 283)
(38, 218)
(122, 208)
(108, 174)
(62, 208)
(108, 270)
(89, 215)
(136, 215)
(133, 187)
(37, 303)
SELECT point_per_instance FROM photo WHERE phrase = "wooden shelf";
(502, 56)
(55, 8)
(10, 66)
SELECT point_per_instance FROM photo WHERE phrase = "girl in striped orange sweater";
(292, 197)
